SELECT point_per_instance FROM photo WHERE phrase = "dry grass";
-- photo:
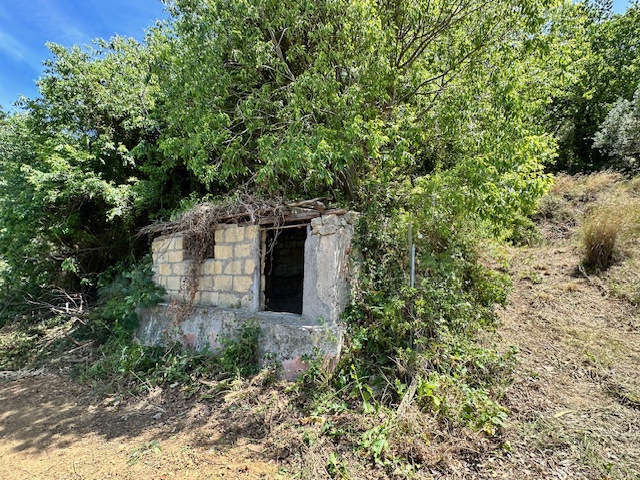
(575, 404)
(561, 211)
(624, 279)
(604, 208)
(610, 229)
(634, 186)
(600, 231)
(586, 188)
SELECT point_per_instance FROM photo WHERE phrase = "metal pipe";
(413, 265)
(412, 256)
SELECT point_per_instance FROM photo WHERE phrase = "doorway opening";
(284, 269)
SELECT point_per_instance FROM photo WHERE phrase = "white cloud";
(18, 50)
(56, 25)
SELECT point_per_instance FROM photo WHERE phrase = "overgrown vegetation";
(434, 117)
(124, 362)
(427, 335)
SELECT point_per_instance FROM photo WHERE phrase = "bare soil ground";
(54, 428)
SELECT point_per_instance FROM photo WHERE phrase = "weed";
(362, 392)
(316, 377)
(336, 468)
(125, 362)
(150, 447)
(483, 413)
(375, 442)
(240, 353)
(427, 334)
(122, 360)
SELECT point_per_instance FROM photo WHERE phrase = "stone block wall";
(235, 277)
(169, 266)
(230, 279)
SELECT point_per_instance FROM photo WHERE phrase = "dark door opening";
(284, 270)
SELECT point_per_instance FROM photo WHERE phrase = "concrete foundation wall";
(286, 340)
(327, 267)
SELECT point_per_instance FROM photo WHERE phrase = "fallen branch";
(73, 340)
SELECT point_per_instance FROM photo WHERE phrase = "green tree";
(311, 97)
(608, 68)
(619, 134)
(79, 170)
(23, 220)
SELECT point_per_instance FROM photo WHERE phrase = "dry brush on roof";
(243, 209)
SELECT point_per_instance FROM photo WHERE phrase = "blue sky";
(620, 6)
(26, 25)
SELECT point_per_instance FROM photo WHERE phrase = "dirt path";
(52, 428)
(575, 404)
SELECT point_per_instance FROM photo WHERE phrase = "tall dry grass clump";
(606, 227)
(600, 232)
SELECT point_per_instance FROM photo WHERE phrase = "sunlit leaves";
(619, 134)
(309, 96)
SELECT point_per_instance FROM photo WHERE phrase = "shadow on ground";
(46, 411)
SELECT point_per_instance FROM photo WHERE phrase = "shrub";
(600, 232)
(121, 290)
(400, 335)
(619, 134)
(524, 232)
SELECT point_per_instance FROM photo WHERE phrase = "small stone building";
(292, 279)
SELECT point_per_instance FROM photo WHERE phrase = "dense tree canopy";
(318, 95)
(78, 175)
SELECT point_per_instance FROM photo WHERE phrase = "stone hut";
(292, 279)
